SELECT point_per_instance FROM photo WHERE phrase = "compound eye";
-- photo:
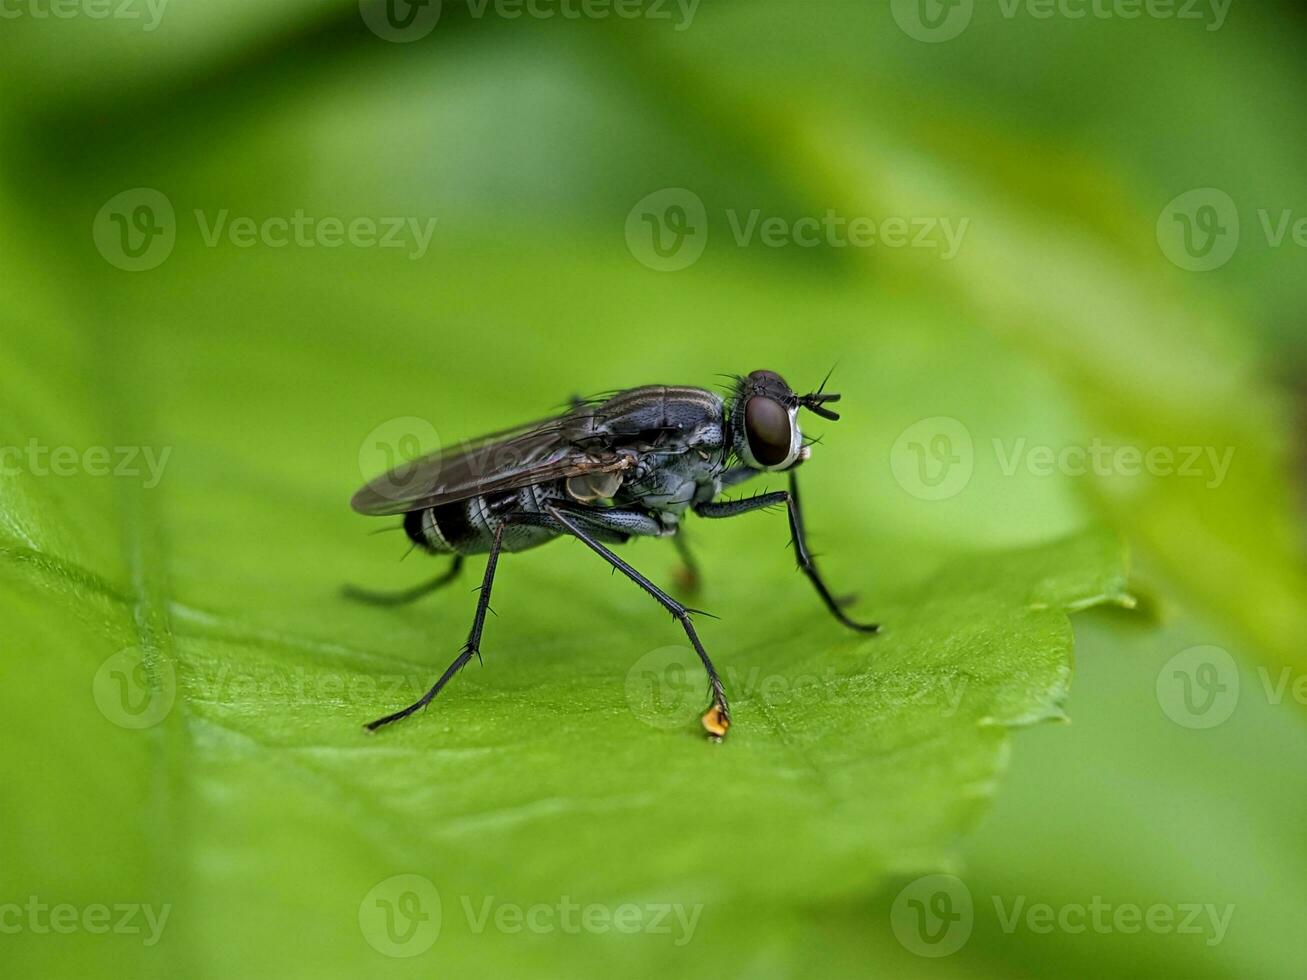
(767, 427)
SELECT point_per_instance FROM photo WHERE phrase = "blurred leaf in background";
(261, 248)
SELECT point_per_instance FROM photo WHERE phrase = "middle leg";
(717, 719)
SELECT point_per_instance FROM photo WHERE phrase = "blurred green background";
(590, 196)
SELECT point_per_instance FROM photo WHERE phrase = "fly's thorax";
(667, 415)
(671, 480)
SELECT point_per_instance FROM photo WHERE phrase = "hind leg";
(403, 597)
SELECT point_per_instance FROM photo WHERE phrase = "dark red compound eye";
(767, 427)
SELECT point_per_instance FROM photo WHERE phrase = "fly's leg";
(404, 596)
(717, 719)
(790, 498)
(471, 648)
(687, 577)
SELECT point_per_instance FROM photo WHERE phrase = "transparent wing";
(491, 464)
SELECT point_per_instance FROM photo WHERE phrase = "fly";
(608, 470)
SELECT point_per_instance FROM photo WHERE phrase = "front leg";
(790, 498)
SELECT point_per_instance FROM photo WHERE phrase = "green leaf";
(570, 767)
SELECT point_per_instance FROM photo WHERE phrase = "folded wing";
(546, 451)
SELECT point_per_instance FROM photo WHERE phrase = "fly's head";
(765, 421)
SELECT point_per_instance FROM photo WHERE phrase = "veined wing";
(487, 465)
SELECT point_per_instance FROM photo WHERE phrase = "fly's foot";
(717, 720)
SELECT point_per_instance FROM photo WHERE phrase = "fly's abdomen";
(468, 527)
(424, 529)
